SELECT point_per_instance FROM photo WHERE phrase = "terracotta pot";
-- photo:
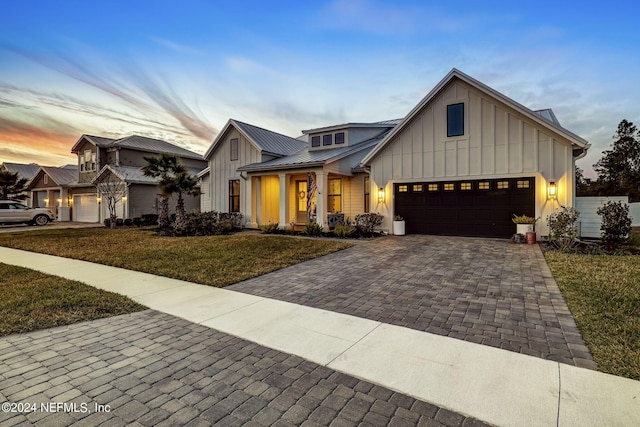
(531, 237)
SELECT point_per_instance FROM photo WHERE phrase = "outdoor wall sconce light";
(59, 202)
(552, 190)
(381, 195)
(99, 199)
(124, 199)
(46, 202)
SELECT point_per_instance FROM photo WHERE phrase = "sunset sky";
(178, 70)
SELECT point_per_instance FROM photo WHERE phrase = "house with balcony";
(73, 194)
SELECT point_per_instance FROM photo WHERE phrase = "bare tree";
(111, 189)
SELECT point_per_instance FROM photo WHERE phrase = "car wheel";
(41, 220)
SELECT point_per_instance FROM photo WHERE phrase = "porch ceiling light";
(381, 195)
(552, 190)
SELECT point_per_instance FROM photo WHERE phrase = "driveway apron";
(486, 291)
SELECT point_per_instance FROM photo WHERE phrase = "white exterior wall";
(223, 169)
(634, 213)
(497, 142)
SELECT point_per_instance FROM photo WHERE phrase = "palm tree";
(184, 184)
(165, 167)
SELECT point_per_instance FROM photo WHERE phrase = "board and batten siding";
(223, 169)
(498, 141)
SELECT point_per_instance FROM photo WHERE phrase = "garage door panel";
(477, 208)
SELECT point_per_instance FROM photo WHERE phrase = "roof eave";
(306, 165)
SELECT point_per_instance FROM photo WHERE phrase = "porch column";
(284, 199)
(64, 213)
(321, 198)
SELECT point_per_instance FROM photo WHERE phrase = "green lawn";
(211, 260)
(32, 300)
(603, 294)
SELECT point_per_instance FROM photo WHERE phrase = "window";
(88, 161)
(367, 194)
(432, 187)
(465, 186)
(327, 139)
(233, 147)
(234, 195)
(455, 120)
(315, 141)
(484, 185)
(417, 188)
(403, 188)
(522, 183)
(340, 138)
(334, 195)
(449, 187)
(503, 185)
(45, 179)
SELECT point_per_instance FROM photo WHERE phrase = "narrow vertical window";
(367, 194)
(234, 149)
(234, 195)
(334, 195)
(455, 120)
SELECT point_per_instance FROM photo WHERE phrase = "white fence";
(589, 221)
(634, 213)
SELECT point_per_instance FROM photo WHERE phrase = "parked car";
(15, 212)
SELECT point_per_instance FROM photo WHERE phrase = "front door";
(301, 202)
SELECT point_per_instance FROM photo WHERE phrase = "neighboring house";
(50, 185)
(26, 171)
(72, 191)
(462, 162)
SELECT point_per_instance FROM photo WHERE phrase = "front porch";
(283, 198)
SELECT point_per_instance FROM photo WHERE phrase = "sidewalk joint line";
(229, 312)
(352, 345)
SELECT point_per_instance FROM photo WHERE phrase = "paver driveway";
(153, 369)
(486, 291)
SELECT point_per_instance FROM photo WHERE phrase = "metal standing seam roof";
(61, 176)
(135, 175)
(306, 157)
(27, 171)
(141, 143)
(269, 141)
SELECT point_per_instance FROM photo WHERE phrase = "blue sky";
(177, 70)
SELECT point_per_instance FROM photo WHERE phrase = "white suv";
(12, 211)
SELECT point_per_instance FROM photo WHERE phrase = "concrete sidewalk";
(492, 385)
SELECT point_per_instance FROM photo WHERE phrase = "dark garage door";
(482, 208)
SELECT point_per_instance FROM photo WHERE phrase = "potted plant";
(524, 224)
(398, 225)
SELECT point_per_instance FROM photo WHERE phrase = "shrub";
(149, 219)
(562, 227)
(523, 219)
(128, 222)
(212, 223)
(616, 224)
(367, 223)
(270, 228)
(312, 229)
(107, 222)
(119, 222)
(137, 221)
(344, 230)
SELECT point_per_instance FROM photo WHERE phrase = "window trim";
(367, 193)
(233, 197)
(339, 194)
(234, 149)
(453, 131)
